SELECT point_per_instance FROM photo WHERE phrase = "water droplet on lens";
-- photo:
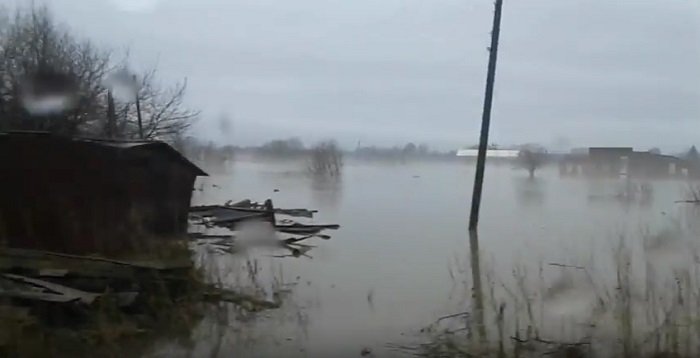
(47, 92)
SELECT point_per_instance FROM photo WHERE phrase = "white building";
(490, 153)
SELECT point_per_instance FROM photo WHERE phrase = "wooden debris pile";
(32, 276)
(233, 216)
(36, 280)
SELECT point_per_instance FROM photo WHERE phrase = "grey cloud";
(595, 71)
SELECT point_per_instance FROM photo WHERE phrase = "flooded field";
(400, 259)
(334, 219)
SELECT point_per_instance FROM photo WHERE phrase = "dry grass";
(642, 300)
(106, 330)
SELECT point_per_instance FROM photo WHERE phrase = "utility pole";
(485, 119)
(138, 109)
(477, 294)
(111, 116)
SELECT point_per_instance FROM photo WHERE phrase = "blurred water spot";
(225, 124)
(570, 295)
(47, 92)
(123, 85)
(576, 303)
(136, 5)
(45, 105)
(256, 233)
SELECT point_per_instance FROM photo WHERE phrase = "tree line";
(52, 80)
(295, 148)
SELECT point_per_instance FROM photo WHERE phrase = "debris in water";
(248, 302)
(298, 228)
(231, 214)
(255, 224)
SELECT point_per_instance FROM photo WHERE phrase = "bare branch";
(31, 41)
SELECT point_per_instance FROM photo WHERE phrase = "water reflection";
(326, 191)
(529, 192)
(625, 192)
(229, 331)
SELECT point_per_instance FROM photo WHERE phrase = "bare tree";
(35, 51)
(326, 159)
(283, 148)
(164, 113)
(532, 157)
(39, 57)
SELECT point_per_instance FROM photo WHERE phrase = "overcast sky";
(383, 72)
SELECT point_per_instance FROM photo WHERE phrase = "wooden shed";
(81, 195)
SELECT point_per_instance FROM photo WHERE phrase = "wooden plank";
(71, 267)
(202, 236)
(304, 229)
(146, 264)
(51, 272)
(71, 294)
(36, 296)
(29, 288)
(247, 206)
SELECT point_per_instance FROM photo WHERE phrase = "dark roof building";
(606, 153)
(82, 195)
(617, 161)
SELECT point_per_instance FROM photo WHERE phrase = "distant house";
(608, 161)
(82, 195)
(693, 159)
(623, 161)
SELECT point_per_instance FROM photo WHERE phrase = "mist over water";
(364, 111)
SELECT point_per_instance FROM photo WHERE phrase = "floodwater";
(398, 261)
